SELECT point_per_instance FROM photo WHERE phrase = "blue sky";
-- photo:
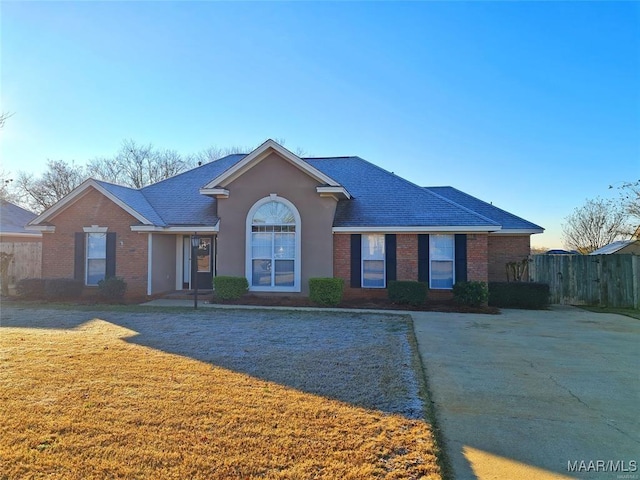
(534, 106)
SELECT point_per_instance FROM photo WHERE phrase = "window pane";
(274, 213)
(204, 255)
(373, 273)
(261, 273)
(96, 245)
(284, 273)
(96, 270)
(441, 274)
(285, 245)
(373, 247)
(261, 245)
(441, 247)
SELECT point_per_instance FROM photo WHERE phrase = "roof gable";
(124, 197)
(249, 161)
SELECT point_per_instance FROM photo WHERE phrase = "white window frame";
(88, 231)
(297, 266)
(433, 257)
(364, 238)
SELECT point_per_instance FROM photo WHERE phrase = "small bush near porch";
(210, 395)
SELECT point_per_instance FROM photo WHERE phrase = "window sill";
(293, 289)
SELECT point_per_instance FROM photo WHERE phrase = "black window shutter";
(78, 257)
(423, 257)
(356, 258)
(390, 256)
(111, 255)
(461, 257)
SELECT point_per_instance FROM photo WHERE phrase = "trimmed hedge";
(407, 292)
(62, 288)
(527, 295)
(471, 293)
(230, 288)
(112, 289)
(49, 288)
(326, 291)
(30, 288)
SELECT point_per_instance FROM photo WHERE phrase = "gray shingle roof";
(135, 199)
(383, 199)
(178, 200)
(379, 199)
(13, 218)
(508, 220)
(613, 247)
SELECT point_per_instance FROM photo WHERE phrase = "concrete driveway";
(535, 394)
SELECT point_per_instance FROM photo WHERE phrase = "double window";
(274, 245)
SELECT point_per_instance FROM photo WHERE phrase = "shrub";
(326, 291)
(472, 294)
(230, 288)
(30, 288)
(407, 292)
(62, 288)
(529, 295)
(112, 289)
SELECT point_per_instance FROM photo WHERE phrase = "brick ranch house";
(278, 220)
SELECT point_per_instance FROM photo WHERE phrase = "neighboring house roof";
(614, 247)
(371, 198)
(13, 220)
(508, 220)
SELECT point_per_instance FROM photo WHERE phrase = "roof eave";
(187, 229)
(519, 231)
(417, 229)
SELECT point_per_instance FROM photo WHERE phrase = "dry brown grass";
(85, 404)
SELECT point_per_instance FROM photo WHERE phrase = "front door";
(201, 262)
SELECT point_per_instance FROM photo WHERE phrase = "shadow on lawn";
(362, 359)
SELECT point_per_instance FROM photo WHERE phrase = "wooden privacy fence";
(26, 262)
(604, 280)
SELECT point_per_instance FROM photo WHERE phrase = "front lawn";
(209, 396)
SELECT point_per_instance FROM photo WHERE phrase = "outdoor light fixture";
(195, 245)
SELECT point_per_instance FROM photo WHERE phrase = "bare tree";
(595, 224)
(630, 198)
(214, 152)
(58, 180)
(7, 191)
(3, 118)
(138, 165)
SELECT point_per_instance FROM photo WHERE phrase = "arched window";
(273, 246)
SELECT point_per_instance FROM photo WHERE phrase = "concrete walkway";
(531, 394)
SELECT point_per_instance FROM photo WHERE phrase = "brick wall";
(96, 209)
(407, 257)
(406, 265)
(504, 249)
(477, 258)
